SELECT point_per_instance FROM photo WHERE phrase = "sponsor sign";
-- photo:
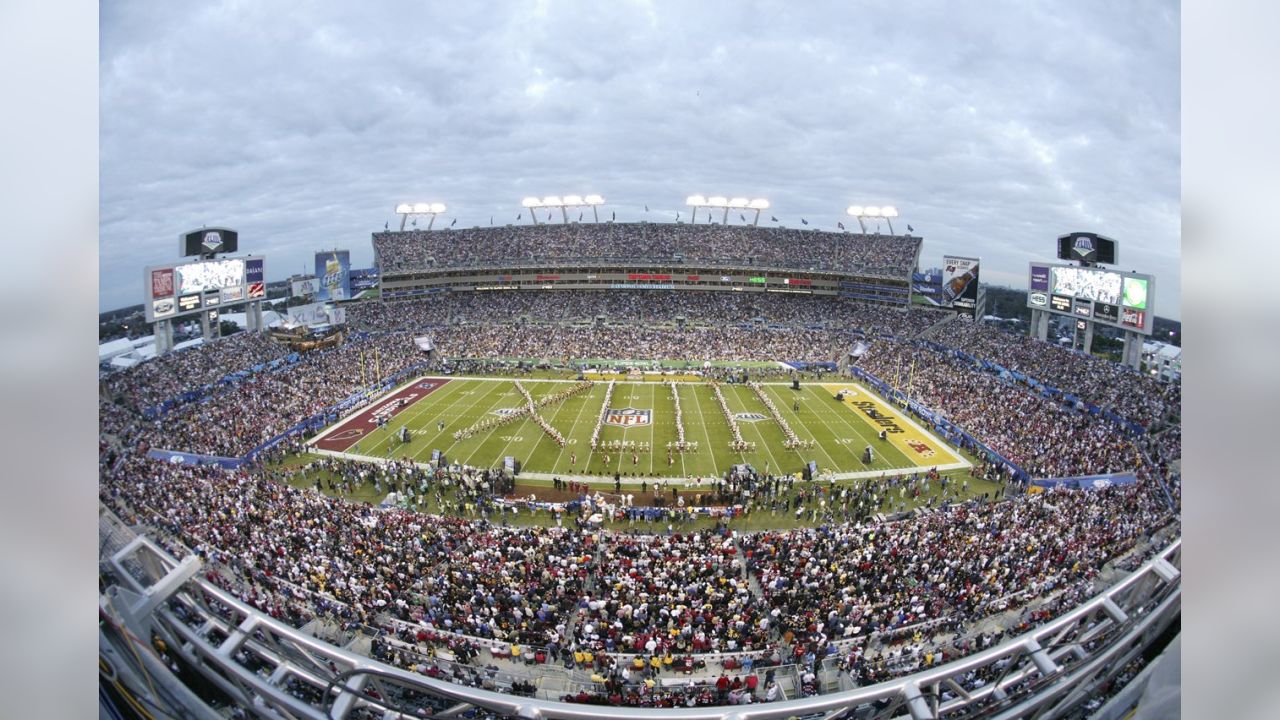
(307, 287)
(1061, 303)
(1038, 298)
(1040, 278)
(187, 303)
(960, 282)
(231, 295)
(725, 278)
(333, 269)
(253, 270)
(162, 283)
(1106, 312)
(1133, 318)
(628, 417)
(162, 307)
(797, 281)
(257, 290)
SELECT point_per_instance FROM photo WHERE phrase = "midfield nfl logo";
(628, 417)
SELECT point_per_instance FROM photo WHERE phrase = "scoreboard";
(187, 288)
(1109, 297)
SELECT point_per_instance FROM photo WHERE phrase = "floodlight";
(572, 199)
(759, 204)
(593, 200)
(717, 201)
(695, 200)
(437, 207)
(551, 200)
(422, 208)
(531, 202)
(404, 208)
(889, 211)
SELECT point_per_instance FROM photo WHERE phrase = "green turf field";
(840, 430)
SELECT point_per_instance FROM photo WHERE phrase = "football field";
(481, 421)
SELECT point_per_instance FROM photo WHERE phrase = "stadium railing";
(1051, 668)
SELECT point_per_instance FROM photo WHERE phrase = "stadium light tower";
(404, 210)
(888, 212)
(532, 203)
(719, 201)
(564, 203)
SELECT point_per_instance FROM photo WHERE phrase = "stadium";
(601, 469)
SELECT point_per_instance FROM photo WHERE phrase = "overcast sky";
(993, 127)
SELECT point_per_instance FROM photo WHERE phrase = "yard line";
(404, 418)
(568, 435)
(515, 431)
(464, 415)
(776, 467)
(795, 419)
(882, 458)
(702, 422)
(653, 422)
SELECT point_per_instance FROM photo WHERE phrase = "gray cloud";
(993, 128)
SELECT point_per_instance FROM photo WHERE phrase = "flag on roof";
(386, 226)
(840, 225)
(802, 220)
(455, 222)
(773, 218)
(910, 229)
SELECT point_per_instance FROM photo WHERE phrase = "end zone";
(355, 427)
(903, 431)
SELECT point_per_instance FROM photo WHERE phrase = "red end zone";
(355, 428)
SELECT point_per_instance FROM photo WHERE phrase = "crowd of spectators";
(1130, 394)
(168, 376)
(1042, 436)
(569, 244)
(640, 307)
(239, 417)
(631, 342)
(961, 562)
(586, 596)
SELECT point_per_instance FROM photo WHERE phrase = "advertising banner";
(333, 268)
(960, 282)
(306, 288)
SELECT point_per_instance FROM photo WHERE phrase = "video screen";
(1135, 293)
(215, 275)
(1087, 283)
